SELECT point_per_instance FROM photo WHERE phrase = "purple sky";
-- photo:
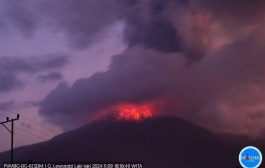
(81, 64)
(64, 62)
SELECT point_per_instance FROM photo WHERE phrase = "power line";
(32, 121)
(11, 132)
(39, 137)
(40, 125)
(32, 134)
(39, 131)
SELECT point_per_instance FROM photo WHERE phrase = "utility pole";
(12, 133)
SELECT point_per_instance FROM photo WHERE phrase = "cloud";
(19, 15)
(85, 22)
(80, 21)
(9, 82)
(31, 65)
(6, 105)
(160, 35)
(127, 80)
(241, 11)
(184, 54)
(12, 67)
(52, 76)
(203, 93)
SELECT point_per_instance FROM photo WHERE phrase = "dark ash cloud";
(206, 66)
(243, 11)
(81, 20)
(128, 80)
(160, 35)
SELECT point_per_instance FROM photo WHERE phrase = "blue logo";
(250, 157)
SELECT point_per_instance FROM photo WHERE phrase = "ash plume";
(203, 59)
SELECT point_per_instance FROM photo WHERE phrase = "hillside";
(157, 143)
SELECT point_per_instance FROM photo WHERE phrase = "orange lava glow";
(134, 112)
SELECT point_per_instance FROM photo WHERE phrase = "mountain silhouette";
(162, 142)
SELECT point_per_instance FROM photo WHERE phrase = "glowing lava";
(133, 112)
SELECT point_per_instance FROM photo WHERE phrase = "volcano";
(159, 142)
